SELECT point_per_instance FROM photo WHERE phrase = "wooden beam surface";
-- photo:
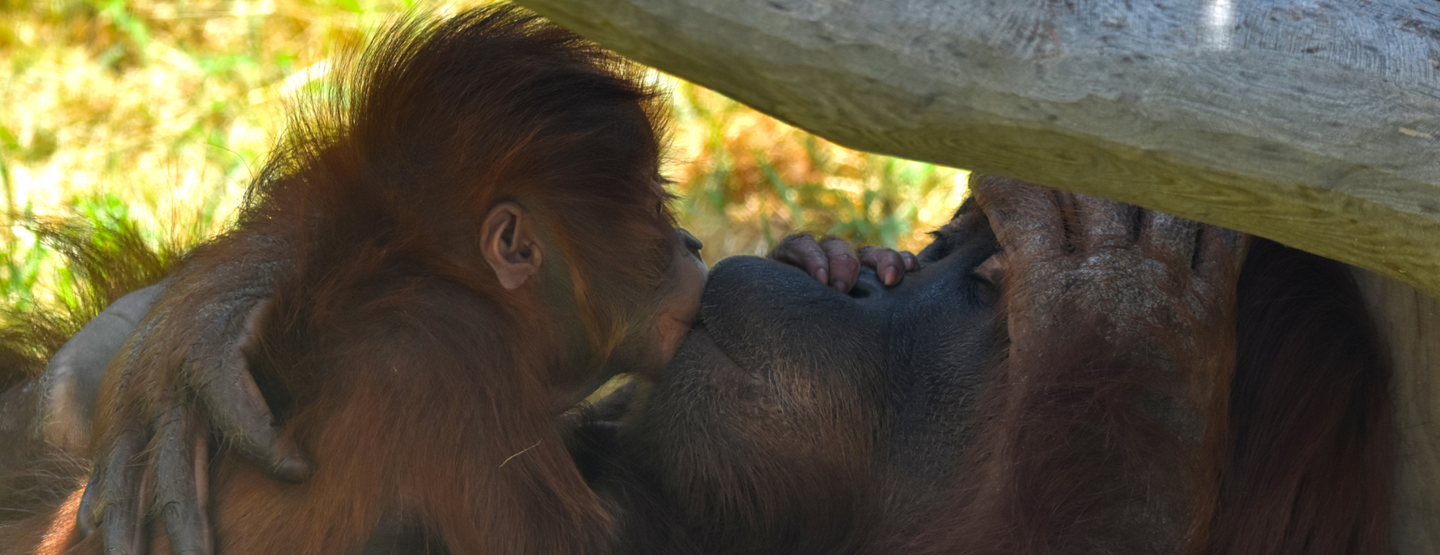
(1312, 122)
(1410, 323)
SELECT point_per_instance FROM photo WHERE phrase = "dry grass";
(153, 113)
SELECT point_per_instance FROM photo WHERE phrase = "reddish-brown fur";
(1311, 429)
(426, 395)
(422, 391)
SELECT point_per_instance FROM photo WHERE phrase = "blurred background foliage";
(128, 122)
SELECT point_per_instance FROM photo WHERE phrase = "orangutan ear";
(509, 244)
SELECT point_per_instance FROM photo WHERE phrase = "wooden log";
(1410, 322)
(1310, 122)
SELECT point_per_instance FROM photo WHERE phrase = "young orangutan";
(471, 232)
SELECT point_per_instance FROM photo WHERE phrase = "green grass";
(144, 119)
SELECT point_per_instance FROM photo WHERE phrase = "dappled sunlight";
(159, 113)
(1219, 24)
(747, 180)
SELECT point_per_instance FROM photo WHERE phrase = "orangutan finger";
(1221, 254)
(181, 482)
(240, 415)
(888, 264)
(912, 262)
(1103, 222)
(993, 269)
(86, 517)
(844, 265)
(1026, 218)
(1169, 237)
(802, 251)
(115, 477)
(111, 501)
(614, 404)
(121, 525)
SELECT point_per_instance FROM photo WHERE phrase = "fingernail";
(822, 275)
(890, 276)
(839, 285)
(293, 469)
(171, 512)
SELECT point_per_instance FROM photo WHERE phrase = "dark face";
(794, 416)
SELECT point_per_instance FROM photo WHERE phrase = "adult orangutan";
(1110, 381)
(1060, 374)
